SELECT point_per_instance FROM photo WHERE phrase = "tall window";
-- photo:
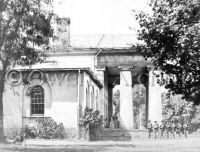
(37, 100)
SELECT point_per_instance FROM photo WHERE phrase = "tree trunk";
(2, 80)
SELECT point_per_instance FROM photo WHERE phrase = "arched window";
(37, 100)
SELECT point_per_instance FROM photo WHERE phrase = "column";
(154, 98)
(126, 99)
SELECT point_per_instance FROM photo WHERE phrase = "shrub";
(90, 122)
(30, 132)
(90, 118)
(49, 129)
(46, 128)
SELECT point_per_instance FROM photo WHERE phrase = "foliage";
(175, 108)
(171, 40)
(30, 131)
(90, 118)
(46, 128)
(196, 119)
(116, 101)
(139, 95)
(25, 30)
(139, 99)
(25, 27)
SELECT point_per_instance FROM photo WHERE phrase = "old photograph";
(99, 75)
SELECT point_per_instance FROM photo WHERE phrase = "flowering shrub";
(89, 124)
(46, 128)
(30, 132)
(90, 118)
(49, 129)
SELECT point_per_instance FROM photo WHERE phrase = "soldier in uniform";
(156, 128)
(173, 129)
(185, 129)
(168, 128)
(162, 129)
(178, 129)
(149, 128)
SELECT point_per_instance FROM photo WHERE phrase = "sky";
(90, 17)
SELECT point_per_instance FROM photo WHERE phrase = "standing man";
(156, 128)
(173, 129)
(149, 128)
(185, 129)
(162, 129)
(168, 128)
(178, 130)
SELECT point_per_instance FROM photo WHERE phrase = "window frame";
(38, 102)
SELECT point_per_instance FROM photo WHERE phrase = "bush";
(46, 128)
(90, 118)
(30, 132)
(90, 122)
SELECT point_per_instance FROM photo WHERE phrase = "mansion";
(75, 77)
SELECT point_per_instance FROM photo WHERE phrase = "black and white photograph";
(99, 75)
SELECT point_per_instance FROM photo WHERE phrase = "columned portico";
(126, 99)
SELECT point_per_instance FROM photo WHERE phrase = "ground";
(191, 144)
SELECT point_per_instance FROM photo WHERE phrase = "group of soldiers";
(170, 127)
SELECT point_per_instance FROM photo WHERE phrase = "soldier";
(149, 128)
(173, 129)
(162, 129)
(168, 128)
(185, 129)
(156, 128)
(178, 130)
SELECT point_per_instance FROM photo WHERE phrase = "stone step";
(123, 135)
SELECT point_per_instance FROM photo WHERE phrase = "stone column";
(154, 98)
(126, 99)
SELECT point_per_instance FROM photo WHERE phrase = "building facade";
(74, 78)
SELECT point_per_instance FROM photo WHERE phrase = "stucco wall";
(60, 100)
(60, 97)
(12, 104)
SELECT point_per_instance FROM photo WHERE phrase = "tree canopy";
(171, 36)
(175, 108)
(24, 28)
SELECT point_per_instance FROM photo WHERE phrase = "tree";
(139, 99)
(196, 118)
(25, 29)
(171, 40)
(175, 108)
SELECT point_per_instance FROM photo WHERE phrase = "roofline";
(90, 51)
